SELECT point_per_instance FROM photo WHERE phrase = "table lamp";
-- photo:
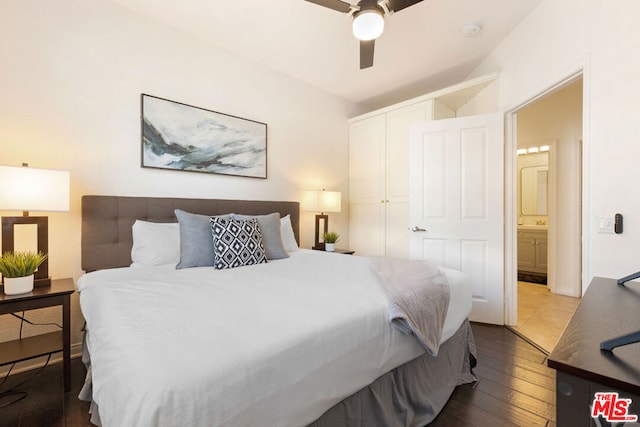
(321, 202)
(30, 189)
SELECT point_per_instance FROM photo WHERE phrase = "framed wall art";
(187, 138)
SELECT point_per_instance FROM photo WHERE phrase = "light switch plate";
(606, 224)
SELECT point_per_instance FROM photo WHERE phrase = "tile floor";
(543, 316)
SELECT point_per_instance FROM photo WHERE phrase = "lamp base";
(41, 283)
(318, 244)
(41, 277)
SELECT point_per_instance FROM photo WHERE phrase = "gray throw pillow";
(271, 236)
(196, 243)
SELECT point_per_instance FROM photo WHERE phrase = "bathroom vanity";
(533, 177)
(532, 249)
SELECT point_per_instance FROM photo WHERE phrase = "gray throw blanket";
(418, 295)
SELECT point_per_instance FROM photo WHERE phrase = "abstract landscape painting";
(183, 137)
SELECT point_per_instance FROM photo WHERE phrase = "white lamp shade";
(368, 25)
(31, 189)
(322, 201)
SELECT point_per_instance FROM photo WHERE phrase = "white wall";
(556, 39)
(70, 83)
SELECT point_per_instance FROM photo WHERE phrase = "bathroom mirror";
(533, 190)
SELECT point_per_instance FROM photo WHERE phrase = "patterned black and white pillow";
(236, 243)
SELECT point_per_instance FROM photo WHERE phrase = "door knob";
(416, 229)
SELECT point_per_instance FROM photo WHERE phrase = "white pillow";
(288, 237)
(155, 243)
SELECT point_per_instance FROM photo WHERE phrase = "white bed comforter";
(275, 344)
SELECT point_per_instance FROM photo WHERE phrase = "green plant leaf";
(330, 237)
(20, 263)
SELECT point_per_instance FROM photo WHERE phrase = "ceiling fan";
(368, 20)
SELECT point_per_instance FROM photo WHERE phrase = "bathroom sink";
(532, 227)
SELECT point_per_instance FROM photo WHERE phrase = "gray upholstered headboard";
(107, 221)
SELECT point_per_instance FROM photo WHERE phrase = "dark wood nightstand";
(344, 251)
(337, 251)
(606, 310)
(59, 293)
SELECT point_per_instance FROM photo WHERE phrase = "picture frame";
(183, 137)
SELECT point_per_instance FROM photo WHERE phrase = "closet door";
(367, 228)
(397, 229)
(367, 186)
(399, 123)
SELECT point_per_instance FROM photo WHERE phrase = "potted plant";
(330, 238)
(17, 270)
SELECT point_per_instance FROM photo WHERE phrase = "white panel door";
(367, 186)
(398, 124)
(397, 178)
(367, 160)
(456, 204)
(366, 235)
(397, 237)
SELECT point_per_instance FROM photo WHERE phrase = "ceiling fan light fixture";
(368, 24)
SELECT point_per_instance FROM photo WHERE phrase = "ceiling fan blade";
(338, 5)
(366, 53)
(398, 5)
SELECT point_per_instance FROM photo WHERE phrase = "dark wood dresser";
(606, 311)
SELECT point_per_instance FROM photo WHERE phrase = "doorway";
(546, 286)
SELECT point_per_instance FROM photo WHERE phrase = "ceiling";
(422, 48)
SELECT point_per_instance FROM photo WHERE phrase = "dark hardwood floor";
(514, 388)
(46, 403)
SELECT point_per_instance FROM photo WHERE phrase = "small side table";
(337, 251)
(59, 293)
(344, 251)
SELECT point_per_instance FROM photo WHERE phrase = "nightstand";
(337, 251)
(58, 294)
(344, 251)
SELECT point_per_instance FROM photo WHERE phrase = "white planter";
(18, 285)
(330, 247)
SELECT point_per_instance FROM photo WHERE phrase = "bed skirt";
(414, 393)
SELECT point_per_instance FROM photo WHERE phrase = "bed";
(302, 339)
